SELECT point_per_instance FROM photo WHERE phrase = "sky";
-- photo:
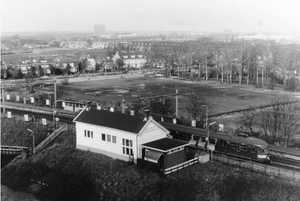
(151, 15)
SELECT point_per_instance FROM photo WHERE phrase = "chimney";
(174, 121)
(146, 114)
(162, 119)
(112, 109)
(132, 112)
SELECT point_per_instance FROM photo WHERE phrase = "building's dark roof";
(165, 144)
(112, 120)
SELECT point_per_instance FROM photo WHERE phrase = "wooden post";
(55, 98)
(3, 98)
(176, 102)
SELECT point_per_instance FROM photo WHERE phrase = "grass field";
(222, 97)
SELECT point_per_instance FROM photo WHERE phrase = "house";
(107, 64)
(66, 61)
(116, 135)
(133, 59)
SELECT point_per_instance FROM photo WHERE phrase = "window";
(259, 150)
(212, 141)
(243, 147)
(196, 137)
(88, 134)
(223, 143)
(253, 149)
(114, 139)
(127, 147)
(202, 139)
(233, 146)
(187, 137)
(180, 136)
(109, 138)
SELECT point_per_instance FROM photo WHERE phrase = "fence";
(271, 170)
(180, 166)
(33, 118)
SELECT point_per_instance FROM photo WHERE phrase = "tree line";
(262, 63)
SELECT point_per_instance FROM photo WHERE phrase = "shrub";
(65, 81)
(291, 85)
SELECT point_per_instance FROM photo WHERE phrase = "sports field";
(222, 97)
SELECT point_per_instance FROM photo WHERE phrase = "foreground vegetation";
(73, 174)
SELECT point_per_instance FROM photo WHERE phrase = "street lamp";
(33, 144)
(53, 121)
(207, 126)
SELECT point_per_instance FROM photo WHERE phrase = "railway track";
(285, 162)
(280, 156)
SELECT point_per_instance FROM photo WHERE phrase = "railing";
(50, 138)
(12, 150)
(180, 166)
(270, 170)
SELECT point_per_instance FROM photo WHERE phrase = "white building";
(133, 59)
(116, 135)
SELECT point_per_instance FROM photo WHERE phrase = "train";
(241, 146)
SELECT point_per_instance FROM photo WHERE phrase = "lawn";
(222, 97)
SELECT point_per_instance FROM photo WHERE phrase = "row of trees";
(277, 123)
(257, 62)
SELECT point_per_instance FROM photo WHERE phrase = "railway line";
(280, 157)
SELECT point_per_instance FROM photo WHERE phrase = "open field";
(222, 97)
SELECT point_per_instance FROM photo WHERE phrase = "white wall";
(96, 142)
(151, 133)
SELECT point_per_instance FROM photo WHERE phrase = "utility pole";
(207, 126)
(176, 103)
(3, 98)
(241, 70)
(55, 97)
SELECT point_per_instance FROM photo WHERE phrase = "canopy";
(152, 156)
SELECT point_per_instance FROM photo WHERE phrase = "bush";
(291, 84)
(65, 81)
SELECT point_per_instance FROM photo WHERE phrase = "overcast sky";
(151, 15)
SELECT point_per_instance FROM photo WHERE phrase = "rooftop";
(165, 144)
(114, 120)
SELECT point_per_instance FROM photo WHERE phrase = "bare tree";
(248, 120)
(195, 110)
(280, 121)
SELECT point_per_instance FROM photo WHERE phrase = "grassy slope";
(81, 175)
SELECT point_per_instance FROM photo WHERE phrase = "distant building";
(132, 59)
(99, 29)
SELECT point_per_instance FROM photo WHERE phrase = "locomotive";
(241, 146)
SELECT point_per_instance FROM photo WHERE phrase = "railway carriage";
(239, 146)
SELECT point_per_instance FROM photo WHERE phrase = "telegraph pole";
(176, 102)
(3, 98)
(55, 94)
